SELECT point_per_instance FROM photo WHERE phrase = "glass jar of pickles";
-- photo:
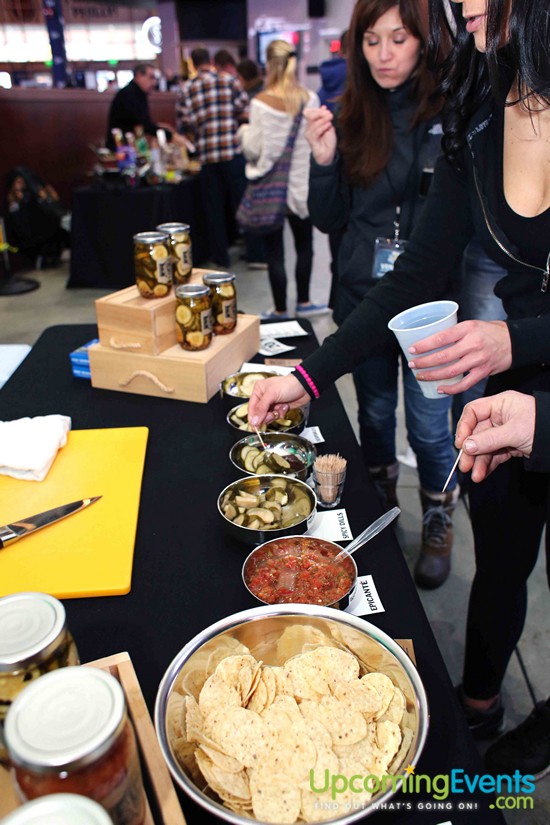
(69, 732)
(194, 316)
(34, 640)
(224, 301)
(153, 264)
(180, 243)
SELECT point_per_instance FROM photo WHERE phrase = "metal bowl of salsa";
(299, 570)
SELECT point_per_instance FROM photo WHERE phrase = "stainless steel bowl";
(298, 416)
(260, 629)
(260, 485)
(293, 544)
(231, 389)
(282, 444)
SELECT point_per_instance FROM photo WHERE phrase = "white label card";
(364, 599)
(332, 525)
(313, 434)
(285, 329)
(270, 346)
(248, 366)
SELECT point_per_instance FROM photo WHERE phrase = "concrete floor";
(22, 319)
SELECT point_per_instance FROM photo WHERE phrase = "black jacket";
(130, 108)
(459, 206)
(367, 213)
(539, 459)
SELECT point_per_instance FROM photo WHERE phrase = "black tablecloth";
(104, 222)
(187, 575)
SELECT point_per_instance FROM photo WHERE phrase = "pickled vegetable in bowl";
(241, 384)
(294, 420)
(285, 454)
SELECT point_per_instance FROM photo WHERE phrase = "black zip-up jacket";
(366, 213)
(460, 205)
(130, 108)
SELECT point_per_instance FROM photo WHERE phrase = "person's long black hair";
(517, 44)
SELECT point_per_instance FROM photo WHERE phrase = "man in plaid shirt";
(209, 110)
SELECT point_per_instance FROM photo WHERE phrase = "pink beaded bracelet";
(309, 380)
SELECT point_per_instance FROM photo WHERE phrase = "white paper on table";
(248, 366)
(285, 329)
(270, 346)
(364, 599)
(332, 525)
(313, 434)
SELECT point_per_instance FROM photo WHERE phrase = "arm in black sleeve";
(328, 200)
(421, 274)
(530, 338)
(539, 460)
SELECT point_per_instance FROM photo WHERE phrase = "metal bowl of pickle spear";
(285, 454)
(258, 508)
(240, 385)
(294, 421)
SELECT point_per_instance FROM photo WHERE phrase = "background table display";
(187, 574)
(104, 222)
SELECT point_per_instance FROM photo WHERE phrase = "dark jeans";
(302, 230)
(220, 184)
(427, 419)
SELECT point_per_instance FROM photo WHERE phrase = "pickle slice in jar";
(160, 290)
(184, 316)
(226, 290)
(159, 253)
(196, 339)
(180, 249)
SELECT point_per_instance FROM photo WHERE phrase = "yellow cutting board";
(91, 552)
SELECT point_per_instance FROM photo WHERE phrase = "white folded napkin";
(28, 446)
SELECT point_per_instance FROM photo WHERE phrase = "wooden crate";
(146, 326)
(177, 373)
(153, 764)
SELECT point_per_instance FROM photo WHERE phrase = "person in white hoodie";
(263, 139)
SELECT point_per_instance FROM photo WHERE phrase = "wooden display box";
(146, 326)
(177, 373)
(162, 795)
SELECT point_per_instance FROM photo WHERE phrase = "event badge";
(386, 252)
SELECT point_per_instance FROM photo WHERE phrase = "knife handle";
(7, 535)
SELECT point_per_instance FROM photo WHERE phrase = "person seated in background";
(130, 106)
(33, 218)
(225, 62)
(491, 431)
(250, 76)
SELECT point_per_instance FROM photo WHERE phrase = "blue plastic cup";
(420, 322)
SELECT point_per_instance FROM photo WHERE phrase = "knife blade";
(13, 532)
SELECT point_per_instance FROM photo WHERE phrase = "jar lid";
(215, 278)
(173, 227)
(60, 809)
(31, 627)
(191, 291)
(151, 237)
(65, 720)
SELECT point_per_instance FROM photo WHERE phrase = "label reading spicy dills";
(185, 257)
(229, 310)
(206, 322)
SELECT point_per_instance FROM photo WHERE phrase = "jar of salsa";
(34, 640)
(180, 243)
(224, 301)
(153, 264)
(59, 809)
(194, 316)
(69, 732)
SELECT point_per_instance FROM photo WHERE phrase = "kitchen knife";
(12, 532)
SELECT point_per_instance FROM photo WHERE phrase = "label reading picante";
(206, 322)
(185, 257)
(164, 271)
(229, 311)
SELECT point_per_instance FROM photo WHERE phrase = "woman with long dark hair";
(368, 179)
(494, 183)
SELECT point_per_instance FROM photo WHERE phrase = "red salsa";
(299, 569)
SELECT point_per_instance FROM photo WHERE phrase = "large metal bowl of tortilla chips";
(291, 713)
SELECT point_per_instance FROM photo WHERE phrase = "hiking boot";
(526, 748)
(385, 481)
(434, 563)
(483, 724)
